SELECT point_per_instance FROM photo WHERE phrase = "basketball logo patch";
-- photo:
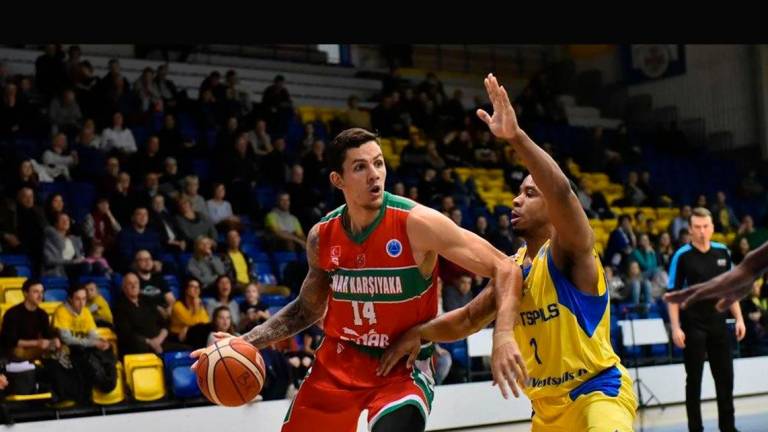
(394, 248)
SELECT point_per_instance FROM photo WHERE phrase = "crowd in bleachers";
(165, 219)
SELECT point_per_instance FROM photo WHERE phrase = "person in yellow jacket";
(188, 311)
(98, 305)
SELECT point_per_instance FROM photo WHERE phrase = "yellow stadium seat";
(50, 307)
(11, 284)
(610, 224)
(117, 395)
(718, 237)
(462, 172)
(144, 375)
(662, 224)
(13, 296)
(400, 145)
(29, 397)
(108, 335)
(307, 114)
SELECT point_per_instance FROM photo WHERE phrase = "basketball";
(231, 372)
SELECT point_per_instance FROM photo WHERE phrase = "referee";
(700, 330)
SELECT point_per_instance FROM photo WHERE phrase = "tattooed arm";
(297, 315)
(303, 311)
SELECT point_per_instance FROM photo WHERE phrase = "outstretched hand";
(503, 123)
(728, 287)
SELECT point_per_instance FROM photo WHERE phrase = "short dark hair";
(279, 78)
(347, 139)
(623, 217)
(75, 288)
(28, 284)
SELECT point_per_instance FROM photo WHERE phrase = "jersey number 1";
(368, 313)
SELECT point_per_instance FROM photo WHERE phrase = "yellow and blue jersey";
(564, 334)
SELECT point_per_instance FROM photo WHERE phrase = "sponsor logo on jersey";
(394, 248)
(721, 262)
(528, 318)
(370, 285)
(335, 254)
(360, 260)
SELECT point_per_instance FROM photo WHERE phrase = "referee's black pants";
(708, 340)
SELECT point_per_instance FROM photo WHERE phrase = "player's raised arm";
(574, 235)
(429, 230)
(302, 312)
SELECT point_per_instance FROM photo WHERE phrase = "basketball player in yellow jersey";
(576, 382)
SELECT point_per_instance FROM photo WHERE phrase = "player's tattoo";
(303, 311)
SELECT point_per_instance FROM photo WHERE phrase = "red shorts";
(343, 382)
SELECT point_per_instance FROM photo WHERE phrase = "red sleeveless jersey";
(377, 289)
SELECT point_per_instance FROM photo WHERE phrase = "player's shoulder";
(720, 247)
(397, 202)
(331, 215)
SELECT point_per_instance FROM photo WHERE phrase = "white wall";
(455, 406)
(719, 86)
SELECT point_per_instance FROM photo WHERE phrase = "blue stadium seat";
(274, 300)
(183, 260)
(81, 197)
(23, 271)
(15, 260)
(54, 282)
(284, 257)
(202, 169)
(102, 282)
(55, 294)
(267, 278)
(107, 294)
(253, 251)
(274, 309)
(173, 284)
(181, 378)
(263, 267)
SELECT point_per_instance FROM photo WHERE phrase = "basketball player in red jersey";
(372, 275)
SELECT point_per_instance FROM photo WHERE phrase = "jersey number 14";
(368, 313)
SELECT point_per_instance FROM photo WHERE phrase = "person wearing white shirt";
(219, 209)
(55, 161)
(117, 137)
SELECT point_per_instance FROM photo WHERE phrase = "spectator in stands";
(502, 238)
(755, 309)
(138, 323)
(114, 77)
(756, 236)
(485, 154)
(151, 189)
(275, 165)
(641, 223)
(172, 140)
(316, 167)
(225, 140)
(54, 205)
(57, 160)
(62, 252)
(308, 139)
(458, 149)
(28, 336)
(223, 295)
(87, 136)
(239, 266)
(432, 87)
(161, 221)
(192, 224)
(638, 284)
(108, 181)
(701, 201)
(72, 65)
(585, 198)
(741, 250)
(117, 138)
(50, 74)
(621, 243)
(204, 265)
(433, 158)
(413, 193)
(646, 257)
(150, 160)
(152, 284)
(31, 223)
(242, 94)
(633, 194)
(164, 87)
(253, 312)
(751, 186)
(96, 261)
(448, 184)
(64, 113)
(385, 118)
(665, 250)
(458, 295)
(91, 356)
(170, 180)
(428, 187)
(680, 222)
(353, 116)
(276, 96)
(456, 216)
(12, 112)
(191, 185)
(220, 210)
(4, 75)
(213, 83)
(86, 89)
(259, 139)
(239, 169)
(122, 200)
(221, 321)
(684, 237)
(615, 285)
(26, 177)
(98, 305)
(138, 236)
(725, 218)
(305, 202)
(481, 228)
(146, 91)
(285, 229)
(188, 312)
(399, 189)
(9, 233)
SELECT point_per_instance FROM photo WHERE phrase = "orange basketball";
(231, 372)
